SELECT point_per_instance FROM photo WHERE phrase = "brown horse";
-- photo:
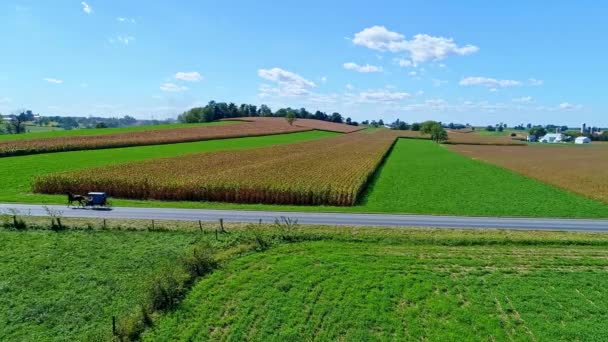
(75, 198)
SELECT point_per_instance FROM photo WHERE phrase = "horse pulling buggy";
(92, 200)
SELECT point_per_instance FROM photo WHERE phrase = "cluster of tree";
(599, 137)
(435, 130)
(404, 126)
(499, 127)
(373, 123)
(19, 121)
(452, 125)
(221, 110)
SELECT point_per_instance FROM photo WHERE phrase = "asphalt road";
(372, 220)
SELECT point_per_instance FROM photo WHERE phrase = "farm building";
(552, 138)
(531, 138)
(582, 140)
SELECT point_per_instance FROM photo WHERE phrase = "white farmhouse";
(552, 138)
(582, 140)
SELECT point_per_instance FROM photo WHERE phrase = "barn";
(582, 140)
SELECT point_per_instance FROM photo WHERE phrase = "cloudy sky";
(476, 62)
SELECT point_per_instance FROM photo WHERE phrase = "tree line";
(221, 110)
(20, 121)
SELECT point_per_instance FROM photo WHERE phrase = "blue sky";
(476, 62)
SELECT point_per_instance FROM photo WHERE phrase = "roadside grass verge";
(68, 285)
(18, 172)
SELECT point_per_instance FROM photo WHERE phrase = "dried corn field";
(580, 169)
(331, 171)
(306, 123)
(152, 137)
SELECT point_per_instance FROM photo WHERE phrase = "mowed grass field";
(425, 178)
(407, 285)
(17, 173)
(45, 132)
(578, 168)
(67, 286)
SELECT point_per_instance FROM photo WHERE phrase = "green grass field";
(67, 286)
(328, 283)
(504, 133)
(16, 173)
(407, 285)
(44, 132)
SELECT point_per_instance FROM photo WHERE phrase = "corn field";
(330, 171)
(152, 137)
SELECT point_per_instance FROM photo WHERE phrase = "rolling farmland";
(49, 133)
(307, 123)
(580, 169)
(140, 138)
(325, 172)
(18, 172)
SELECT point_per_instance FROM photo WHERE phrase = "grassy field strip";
(55, 133)
(17, 172)
(580, 169)
(144, 138)
(332, 290)
(329, 171)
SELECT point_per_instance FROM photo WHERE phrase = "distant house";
(582, 140)
(552, 138)
(532, 138)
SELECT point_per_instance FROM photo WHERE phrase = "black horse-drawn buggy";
(92, 200)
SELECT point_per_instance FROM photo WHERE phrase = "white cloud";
(535, 82)
(422, 47)
(86, 8)
(404, 62)
(379, 95)
(53, 80)
(412, 73)
(349, 86)
(172, 87)
(5, 99)
(488, 82)
(126, 20)
(191, 76)
(287, 83)
(568, 106)
(362, 68)
(525, 99)
(323, 79)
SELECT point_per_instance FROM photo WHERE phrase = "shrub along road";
(378, 220)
